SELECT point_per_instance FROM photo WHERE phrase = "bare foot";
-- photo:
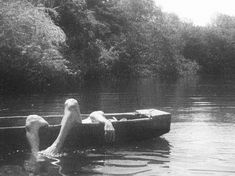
(51, 151)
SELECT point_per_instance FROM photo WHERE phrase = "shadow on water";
(132, 159)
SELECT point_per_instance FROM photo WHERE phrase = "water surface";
(201, 140)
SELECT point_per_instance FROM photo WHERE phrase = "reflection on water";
(134, 158)
(203, 147)
(201, 140)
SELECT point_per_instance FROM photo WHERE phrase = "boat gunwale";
(83, 115)
(59, 115)
(86, 124)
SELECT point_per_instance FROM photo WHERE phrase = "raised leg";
(71, 116)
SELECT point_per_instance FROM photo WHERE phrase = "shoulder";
(95, 113)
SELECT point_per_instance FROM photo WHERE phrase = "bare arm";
(98, 116)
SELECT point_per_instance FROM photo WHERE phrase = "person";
(71, 116)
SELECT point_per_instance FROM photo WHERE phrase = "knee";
(71, 104)
(35, 122)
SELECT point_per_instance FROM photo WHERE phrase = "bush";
(186, 67)
(29, 31)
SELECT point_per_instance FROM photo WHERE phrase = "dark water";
(201, 140)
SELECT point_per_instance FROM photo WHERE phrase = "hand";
(109, 132)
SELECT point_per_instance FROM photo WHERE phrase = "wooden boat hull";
(136, 126)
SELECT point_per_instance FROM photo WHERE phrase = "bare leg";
(71, 116)
(33, 123)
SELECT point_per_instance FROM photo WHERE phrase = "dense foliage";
(30, 45)
(55, 42)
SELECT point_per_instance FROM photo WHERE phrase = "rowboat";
(132, 126)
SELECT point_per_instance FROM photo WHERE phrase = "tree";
(30, 44)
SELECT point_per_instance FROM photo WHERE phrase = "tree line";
(48, 43)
